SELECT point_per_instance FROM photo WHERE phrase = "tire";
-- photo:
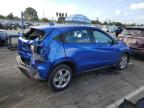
(60, 78)
(123, 62)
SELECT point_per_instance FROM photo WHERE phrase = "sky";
(126, 11)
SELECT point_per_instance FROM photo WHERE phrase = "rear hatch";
(33, 36)
(130, 40)
(134, 41)
(133, 36)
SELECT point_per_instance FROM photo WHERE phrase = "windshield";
(34, 33)
(133, 32)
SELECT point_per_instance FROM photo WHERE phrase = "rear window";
(34, 33)
(77, 36)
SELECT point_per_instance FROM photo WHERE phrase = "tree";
(62, 14)
(2, 17)
(10, 16)
(57, 14)
(65, 15)
(96, 21)
(61, 17)
(133, 24)
(16, 18)
(44, 20)
(30, 14)
(116, 23)
(105, 23)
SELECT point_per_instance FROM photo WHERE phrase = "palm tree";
(57, 14)
(65, 15)
(60, 15)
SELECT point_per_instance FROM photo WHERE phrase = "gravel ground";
(94, 90)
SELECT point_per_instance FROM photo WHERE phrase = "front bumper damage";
(27, 69)
(139, 51)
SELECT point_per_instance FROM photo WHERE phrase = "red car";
(134, 38)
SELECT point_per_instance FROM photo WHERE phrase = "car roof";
(62, 26)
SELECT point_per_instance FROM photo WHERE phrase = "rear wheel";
(123, 62)
(60, 77)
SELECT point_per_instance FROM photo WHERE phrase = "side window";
(77, 36)
(101, 37)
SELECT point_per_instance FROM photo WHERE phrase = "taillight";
(37, 52)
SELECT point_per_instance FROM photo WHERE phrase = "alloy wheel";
(123, 62)
(62, 78)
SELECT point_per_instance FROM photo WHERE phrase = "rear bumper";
(27, 69)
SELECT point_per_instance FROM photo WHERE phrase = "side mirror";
(113, 42)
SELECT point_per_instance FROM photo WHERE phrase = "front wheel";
(60, 77)
(123, 62)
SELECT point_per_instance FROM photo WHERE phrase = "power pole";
(22, 22)
(43, 13)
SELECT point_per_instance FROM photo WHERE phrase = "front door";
(107, 51)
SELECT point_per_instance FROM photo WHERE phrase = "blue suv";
(57, 52)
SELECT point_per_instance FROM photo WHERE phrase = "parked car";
(56, 52)
(3, 37)
(134, 38)
(118, 31)
(24, 26)
(1, 26)
(105, 28)
(16, 26)
(11, 26)
(8, 26)
(28, 25)
(112, 28)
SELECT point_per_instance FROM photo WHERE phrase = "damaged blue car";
(56, 53)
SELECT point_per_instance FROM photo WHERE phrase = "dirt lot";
(94, 90)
